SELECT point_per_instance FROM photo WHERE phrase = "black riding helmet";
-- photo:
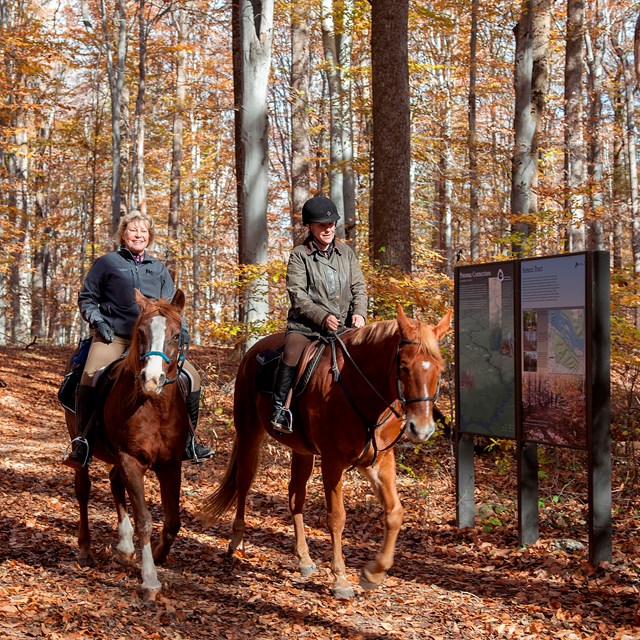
(319, 209)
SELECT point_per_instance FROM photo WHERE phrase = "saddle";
(268, 364)
(71, 380)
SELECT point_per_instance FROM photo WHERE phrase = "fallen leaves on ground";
(446, 582)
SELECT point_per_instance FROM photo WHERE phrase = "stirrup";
(67, 456)
(284, 414)
(191, 451)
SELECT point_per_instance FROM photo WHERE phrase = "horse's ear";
(178, 299)
(444, 325)
(141, 300)
(403, 321)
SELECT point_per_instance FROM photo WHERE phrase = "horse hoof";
(149, 595)
(126, 558)
(87, 560)
(343, 593)
(368, 582)
(308, 570)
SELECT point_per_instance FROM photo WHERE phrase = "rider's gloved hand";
(185, 338)
(104, 331)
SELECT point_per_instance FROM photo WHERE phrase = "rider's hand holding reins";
(104, 331)
(331, 323)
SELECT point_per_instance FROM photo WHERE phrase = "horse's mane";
(155, 307)
(378, 331)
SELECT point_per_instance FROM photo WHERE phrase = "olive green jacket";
(319, 286)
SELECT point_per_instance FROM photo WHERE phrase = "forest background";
(521, 141)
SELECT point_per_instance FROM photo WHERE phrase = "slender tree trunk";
(391, 214)
(594, 56)
(138, 198)
(41, 254)
(337, 41)
(182, 23)
(300, 143)
(524, 160)
(253, 32)
(116, 83)
(540, 26)
(574, 149)
(631, 152)
(474, 186)
(620, 188)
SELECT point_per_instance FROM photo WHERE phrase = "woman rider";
(327, 292)
(107, 303)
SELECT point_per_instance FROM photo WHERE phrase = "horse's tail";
(216, 504)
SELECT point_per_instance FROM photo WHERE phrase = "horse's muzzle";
(153, 386)
(417, 433)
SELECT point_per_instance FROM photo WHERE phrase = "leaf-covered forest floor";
(446, 582)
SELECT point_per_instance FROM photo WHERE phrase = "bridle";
(406, 401)
(371, 427)
(183, 348)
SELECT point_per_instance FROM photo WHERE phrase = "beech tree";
(337, 41)
(300, 143)
(574, 148)
(252, 34)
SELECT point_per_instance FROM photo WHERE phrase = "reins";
(370, 427)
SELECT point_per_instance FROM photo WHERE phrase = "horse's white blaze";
(125, 533)
(426, 364)
(153, 368)
(149, 572)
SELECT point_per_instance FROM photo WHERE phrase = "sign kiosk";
(532, 365)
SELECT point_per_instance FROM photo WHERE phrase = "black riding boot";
(281, 418)
(80, 456)
(193, 449)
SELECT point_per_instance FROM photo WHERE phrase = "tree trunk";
(182, 23)
(630, 130)
(620, 187)
(574, 151)
(523, 161)
(540, 26)
(391, 214)
(474, 187)
(252, 36)
(116, 83)
(138, 198)
(594, 56)
(41, 255)
(336, 39)
(300, 144)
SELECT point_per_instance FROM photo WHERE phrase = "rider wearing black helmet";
(327, 292)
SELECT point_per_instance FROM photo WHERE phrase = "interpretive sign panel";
(485, 349)
(553, 303)
(532, 363)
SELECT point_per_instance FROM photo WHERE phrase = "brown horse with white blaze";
(141, 424)
(347, 415)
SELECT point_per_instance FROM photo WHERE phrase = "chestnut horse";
(346, 415)
(141, 423)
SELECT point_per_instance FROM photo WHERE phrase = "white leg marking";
(125, 533)
(149, 573)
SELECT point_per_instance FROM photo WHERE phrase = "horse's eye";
(404, 369)
(176, 337)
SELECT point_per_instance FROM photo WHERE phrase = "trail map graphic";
(486, 349)
(566, 341)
